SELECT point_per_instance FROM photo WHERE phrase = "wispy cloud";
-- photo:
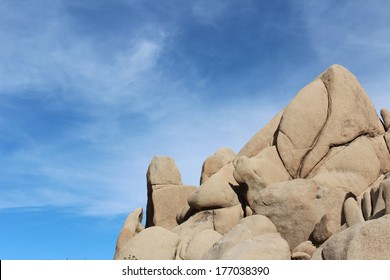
(84, 112)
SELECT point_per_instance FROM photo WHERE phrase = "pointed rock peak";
(332, 110)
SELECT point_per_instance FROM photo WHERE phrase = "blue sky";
(90, 91)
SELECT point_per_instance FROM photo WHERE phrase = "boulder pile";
(314, 183)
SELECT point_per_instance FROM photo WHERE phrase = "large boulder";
(352, 168)
(131, 227)
(153, 243)
(269, 246)
(167, 202)
(221, 220)
(331, 111)
(166, 193)
(296, 206)
(260, 171)
(215, 162)
(200, 244)
(217, 191)
(368, 240)
(247, 228)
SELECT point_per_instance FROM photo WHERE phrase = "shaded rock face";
(311, 184)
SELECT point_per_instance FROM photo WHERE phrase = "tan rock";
(382, 153)
(131, 227)
(260, 171)
(349, 114)
(169, 200)
(300, 256)
(301, 124)
(367, 205)
(352, 212)
(305, 247)
(324, 229)
(198, 222)
(269, 246)
(246, 228)
(248, 211)
(184, 213)
(217, 191)
(296, 206)
(215, 162)
(163, 171)
(387, 139)
(369, 240)
(378, 204)
(352, 168)
(262, 139)
(386, 118)
(385, 185)
(201, 244)
(153, 243)
(221, 220)
(317, 254)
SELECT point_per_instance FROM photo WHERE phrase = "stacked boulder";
(311, 184)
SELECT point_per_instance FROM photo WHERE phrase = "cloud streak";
(85, 104)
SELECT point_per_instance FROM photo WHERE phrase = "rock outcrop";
(312, 184)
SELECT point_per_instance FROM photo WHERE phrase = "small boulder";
(368, 240)
(153, 243)
(352, 212)
(246, 228)
(324, 229)
(131, 227)
(269, 246)
(201, 244)
(215, 162)
(217, 191)
(304, 250)
(163, 171)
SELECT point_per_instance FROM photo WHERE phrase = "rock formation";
(314, 183)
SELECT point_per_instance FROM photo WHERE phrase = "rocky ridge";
(314, 183)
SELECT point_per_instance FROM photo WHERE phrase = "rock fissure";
(328, 113)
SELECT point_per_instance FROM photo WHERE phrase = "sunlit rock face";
(311, 184)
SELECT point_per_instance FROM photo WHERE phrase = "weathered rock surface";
(332, 110)
(217, 191)
(324, 229)
(364, 241)
(296, 206)
(200, 244)
(221, 220)
(269, 246)
(153, 243)
(131, 227)
(247, 228)
(167, 202)
(264, 169)
(215, 162)
(316, 175)
(163, 171)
